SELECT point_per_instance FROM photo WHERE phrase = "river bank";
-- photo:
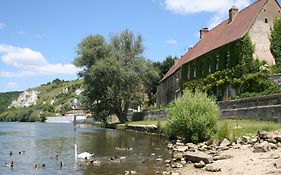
(249, 155)
(257, 155)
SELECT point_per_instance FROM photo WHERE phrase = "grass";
(228, 128)
(239, 128)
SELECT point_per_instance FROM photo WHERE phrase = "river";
(39, 143)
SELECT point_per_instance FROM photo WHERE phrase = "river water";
(43, 141)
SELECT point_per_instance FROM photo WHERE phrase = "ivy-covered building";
(219, 47)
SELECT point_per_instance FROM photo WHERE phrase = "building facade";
(219, 48)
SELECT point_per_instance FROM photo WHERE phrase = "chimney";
(203, 31)
(232, 13)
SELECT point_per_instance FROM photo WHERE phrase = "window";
(194, 71)
(228, 59)
(217, 62)
(202, 69)
(209, 66)
(265, 20)
(188, 72)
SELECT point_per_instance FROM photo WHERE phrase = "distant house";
(217, 49)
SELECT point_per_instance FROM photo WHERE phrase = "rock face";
(26, 99)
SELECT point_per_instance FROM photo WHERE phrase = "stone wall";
(276, 79)
(258, 108)
(152, 115)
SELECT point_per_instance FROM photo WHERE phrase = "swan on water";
(84, 155)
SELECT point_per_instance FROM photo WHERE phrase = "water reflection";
(117, 151)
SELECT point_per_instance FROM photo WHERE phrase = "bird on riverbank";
(11, 165)
(82, 155)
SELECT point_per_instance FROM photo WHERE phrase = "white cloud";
(12, 85)
(171, 42)
(31, 63)
(67, 69)
(21, 57)
(218, 7)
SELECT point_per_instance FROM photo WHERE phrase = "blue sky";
(38, 38)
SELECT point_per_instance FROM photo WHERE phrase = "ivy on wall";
(233, 66)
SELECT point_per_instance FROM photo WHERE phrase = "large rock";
(198, 156)
(261, 147)
(278, 138)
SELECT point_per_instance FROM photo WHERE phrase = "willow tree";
(113, 72)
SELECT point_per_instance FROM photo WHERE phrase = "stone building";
(218, 48)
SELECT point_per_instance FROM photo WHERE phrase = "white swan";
(84, 155)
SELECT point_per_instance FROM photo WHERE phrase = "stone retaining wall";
(152, 115)
(257, 108)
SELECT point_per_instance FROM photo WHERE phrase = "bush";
(194, 117)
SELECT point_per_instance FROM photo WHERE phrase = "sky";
(39, 38)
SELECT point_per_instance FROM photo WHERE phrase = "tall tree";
(275, 40)
(113, 73)
(165, 65)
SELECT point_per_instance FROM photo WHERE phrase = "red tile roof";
(221, 35)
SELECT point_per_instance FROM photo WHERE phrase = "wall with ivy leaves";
(202, 63)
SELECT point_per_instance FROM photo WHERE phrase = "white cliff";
(26, 99)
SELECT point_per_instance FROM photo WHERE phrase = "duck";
(83, 155)
(11, 153)
(61, 164)
(39, 165)
(21, 152)
(9, 164)
(56, 157)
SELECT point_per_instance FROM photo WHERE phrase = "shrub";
(193, 116)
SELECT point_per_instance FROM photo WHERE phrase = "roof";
(221, 35)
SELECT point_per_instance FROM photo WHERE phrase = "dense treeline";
(6, 99)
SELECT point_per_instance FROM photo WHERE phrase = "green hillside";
(6, 99)
(53, 99)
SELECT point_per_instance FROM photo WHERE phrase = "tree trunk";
(122, 116)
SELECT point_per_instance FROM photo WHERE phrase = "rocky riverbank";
(257, 155)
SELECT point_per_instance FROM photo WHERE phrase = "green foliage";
(275, 43)
(256, 82)
(13, 115)
(193, 116)
(246, 75)
(6, 99)
(223, 131)
(113, 73)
